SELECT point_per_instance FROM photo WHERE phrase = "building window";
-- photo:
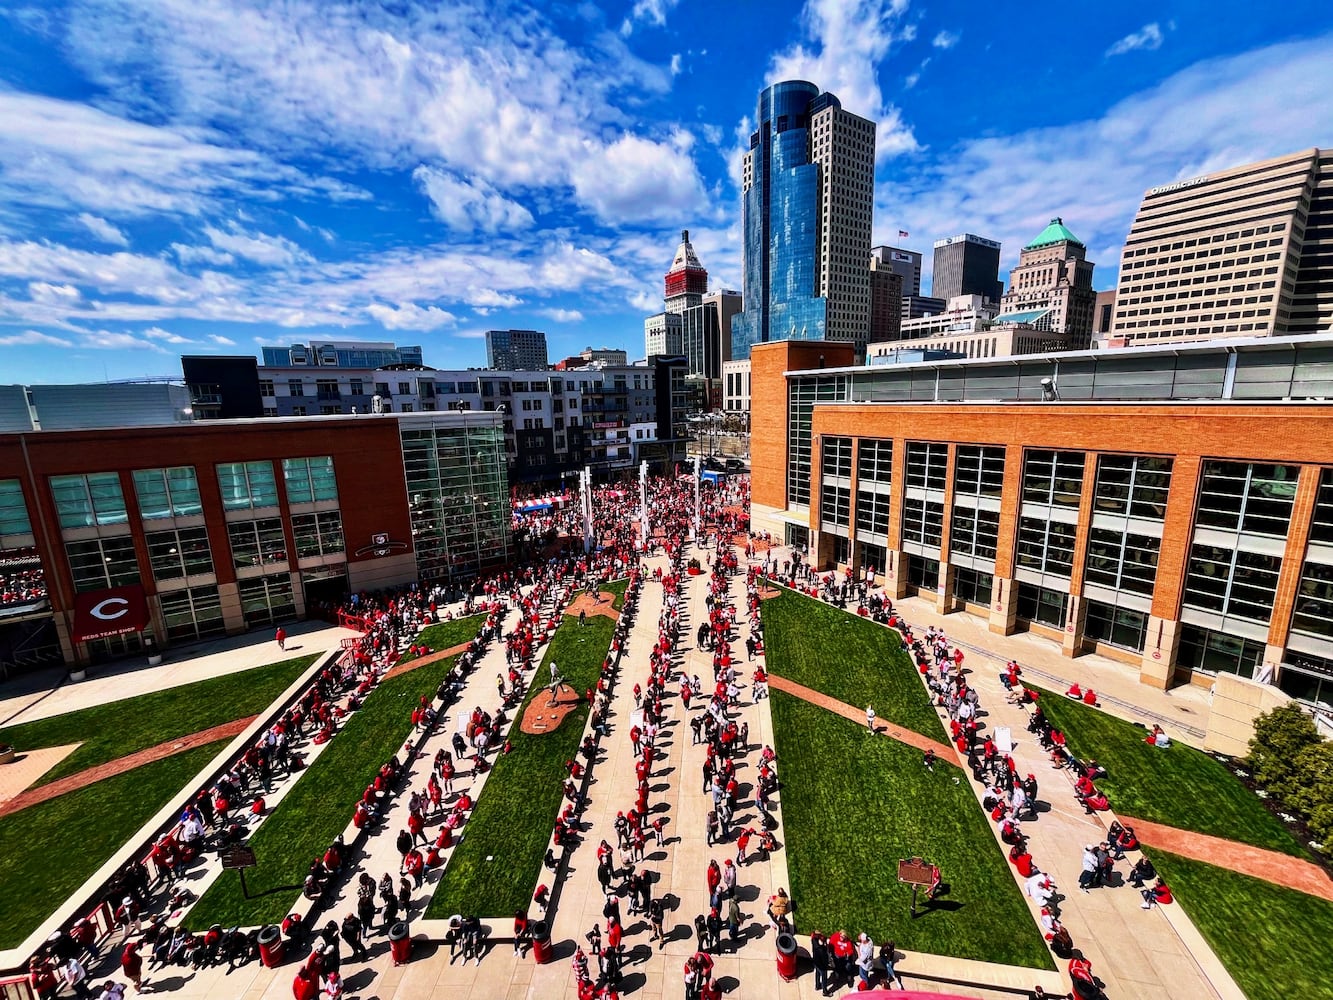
(1115, 626)
(1046, 546)
(837, 456)
(177, 553)
(356, 387)
(1122, 561)
(170, 492)
(295, 387)
(1042, 605)
(195, 613)
(266, 599)
(1256, 499)
(1217, 652)
(1132, 485)
(835, 505)
(13, 510)
(247, 485)
(84, 501)
(973, 531)
(1229, 581)
(309, 480)
(1313, 611)
(1053, 478)
(266, 387)
(872, 512)
(923, 521)
(972, 586)
(298, 411)
(979, 471)
(927, 463)
(327, 389)
(318, 534)
(100, 563)
(257, 543)
(923, 572)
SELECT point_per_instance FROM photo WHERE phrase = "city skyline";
(177, 180)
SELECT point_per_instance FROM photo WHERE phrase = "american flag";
(902, 234)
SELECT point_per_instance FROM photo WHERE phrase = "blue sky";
(178, 177)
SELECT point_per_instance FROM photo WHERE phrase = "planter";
(155, 659)
(78, 675)
(7, 754)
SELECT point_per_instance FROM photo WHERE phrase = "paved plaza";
(1154, 955)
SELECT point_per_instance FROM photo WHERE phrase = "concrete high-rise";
(686, 281)
(1051, 288)
(808, 184)
(906, 263)
(516, 350)
(966, 265)
(1245, 252)
(886, 302)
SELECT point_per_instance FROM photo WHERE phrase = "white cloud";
(34, 337)
(261, 248)
(44, 291)
(847, 42)
(103, 230)
(157, 333)
(201, 255)
(410, 316)
(115, 340)
(217, 338)
(675, 64)
(652, 12)
(469, 205)
(562, 315)
(1149, 37)
(945, 40)
(1216, 114)
(640, 180)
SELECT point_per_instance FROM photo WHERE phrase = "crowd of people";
(22, 582)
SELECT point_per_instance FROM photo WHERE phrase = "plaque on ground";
(237, 857)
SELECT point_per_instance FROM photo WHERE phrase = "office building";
(736, 391)
(1103, 313)
(613, 356)
(1245, 252)
(706, 334)
(966, 265)
(806, 210)
(221, 526)
(886, 302)
(663, 333)
(516, 350)
(93, 404)
(1078, 496)
(905, 263)
(916, 306)
(686, 281)
(346, 354)
(1051, 288)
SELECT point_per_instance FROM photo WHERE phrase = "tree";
(1312, 783)
(1279, 737)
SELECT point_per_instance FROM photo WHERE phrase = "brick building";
(1172, 509)
(217, 527)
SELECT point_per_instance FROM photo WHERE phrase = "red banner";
(104, 613)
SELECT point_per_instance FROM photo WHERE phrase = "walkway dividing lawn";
(1271, 866)
(92, 775)
(945, 753)
(421, 661)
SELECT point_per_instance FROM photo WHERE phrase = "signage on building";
(381, 545)
(1179, 185)
(967, 238)
(104, 613)
(899, 255)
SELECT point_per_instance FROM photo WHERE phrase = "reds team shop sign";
(105, 613)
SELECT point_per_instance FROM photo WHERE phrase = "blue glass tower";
(805, 219)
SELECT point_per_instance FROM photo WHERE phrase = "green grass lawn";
(848, 658)
(51, 849)
(123, 727)
(853, 805)
(517, 808)
(446, 635)
(320, 805)
(618, 589)
(1273, 941)
(1178, 786)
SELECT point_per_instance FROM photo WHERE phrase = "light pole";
(585, 501)
(696, 522)
(643, 501)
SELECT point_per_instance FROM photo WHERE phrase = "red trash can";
(400, 942)
(541, 942)
(786, 957)
(271, 946)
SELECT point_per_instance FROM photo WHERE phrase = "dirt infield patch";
(543, 717)
(598, 604)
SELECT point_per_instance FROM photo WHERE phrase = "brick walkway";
(1271, 866)
(421, 661)
(945, 753)
(91, 775)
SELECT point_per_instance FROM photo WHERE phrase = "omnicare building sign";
(104, 613)
(1178, 186)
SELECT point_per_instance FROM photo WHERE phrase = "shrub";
(1279, 738)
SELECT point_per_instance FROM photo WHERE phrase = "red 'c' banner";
(104, 613)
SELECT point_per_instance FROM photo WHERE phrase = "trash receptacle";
(400, 942)
(271, 946)
(786, 956)
(541, 942)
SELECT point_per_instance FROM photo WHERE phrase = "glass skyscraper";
(808, 193)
